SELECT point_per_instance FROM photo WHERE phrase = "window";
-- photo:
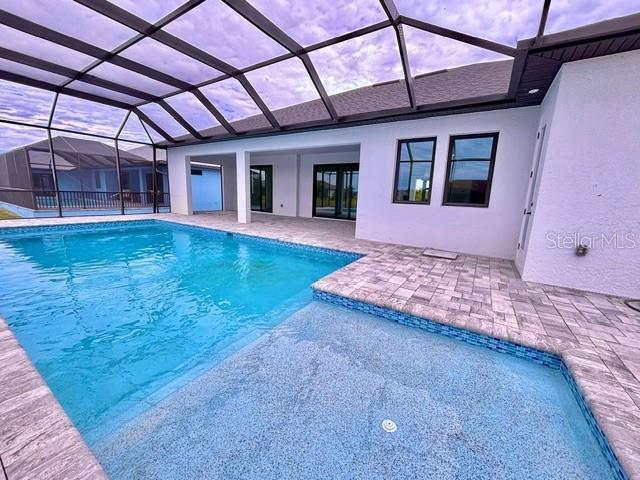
(414, 170)
(470, 169)
(262, 188)
(43, 182)
(97, 180)
(125, 180)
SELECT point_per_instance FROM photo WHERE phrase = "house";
(86, 175)
(534, 183)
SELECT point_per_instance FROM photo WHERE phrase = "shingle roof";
(469, 81)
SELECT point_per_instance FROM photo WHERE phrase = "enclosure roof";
(204, 70)
(79, 152)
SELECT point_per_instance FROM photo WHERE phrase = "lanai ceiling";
(170, 71)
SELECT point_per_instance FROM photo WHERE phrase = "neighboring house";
(86, 173)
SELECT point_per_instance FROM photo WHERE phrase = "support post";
(243, 186)
(54, 172)
(179, 183)
(119, 178)
(154, 186)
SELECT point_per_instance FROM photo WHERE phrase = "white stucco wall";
(590, 183)
(285, 180)
(491, 231)
(488, 231)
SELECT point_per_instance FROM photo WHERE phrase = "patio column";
(179, 168)
(243, 187)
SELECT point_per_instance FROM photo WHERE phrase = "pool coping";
(604, 421)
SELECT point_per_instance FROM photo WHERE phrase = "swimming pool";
(151, 335)
(112, 314)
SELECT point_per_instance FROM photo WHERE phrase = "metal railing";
(80, 200)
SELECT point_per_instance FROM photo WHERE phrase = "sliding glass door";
(336, 191)
(261, 188)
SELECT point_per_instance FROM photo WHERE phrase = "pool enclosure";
(434, 127)
(92, 92)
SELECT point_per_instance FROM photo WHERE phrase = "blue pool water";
(112, 316)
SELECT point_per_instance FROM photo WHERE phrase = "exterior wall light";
(533, 90)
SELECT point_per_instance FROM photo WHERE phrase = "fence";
(81, 200)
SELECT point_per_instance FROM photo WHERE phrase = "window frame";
(400, 142)
(491, 160)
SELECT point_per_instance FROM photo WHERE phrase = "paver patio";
(597, 336)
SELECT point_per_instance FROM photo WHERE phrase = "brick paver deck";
(597, 336)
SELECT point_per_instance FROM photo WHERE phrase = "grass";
(7, 215)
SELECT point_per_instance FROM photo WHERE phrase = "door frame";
(340, 168)
(532, 189)
(261, 168)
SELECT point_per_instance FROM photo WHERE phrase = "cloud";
(24, 103)
(165, 59)
(163, 119)
(283, 84)
(84, 116)
(14, 136)
(503, 21)
(217, 29)
(365, 60)
(190, 108)
(313, 21)
(231, 99)
(567, 14)
(73, 19)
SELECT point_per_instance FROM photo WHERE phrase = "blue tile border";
(254, 238)
(9, 232)
(72, 227)
(531, 354)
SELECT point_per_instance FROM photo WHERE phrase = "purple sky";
(217, 29)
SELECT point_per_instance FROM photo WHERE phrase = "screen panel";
(429, 53)
(158, 56)
(134, 131)
(72, 19)
(359, 62)
(232, 100)
(81, 115)
(190, 108)
(502, 21)
(24, 103)
(220, 31)
(104, 92)
(314, 21)
(43, 49)
(136, 177)
(31, 72)
(87, 174)
(283, 84)
(163, 119)
(122, 76)
(568, 14)
(150, 10)
(27, 187)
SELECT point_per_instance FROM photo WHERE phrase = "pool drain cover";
(389, 426)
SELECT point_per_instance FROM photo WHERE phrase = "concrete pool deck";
(597, 336)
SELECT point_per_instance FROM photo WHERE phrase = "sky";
(217, 29)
